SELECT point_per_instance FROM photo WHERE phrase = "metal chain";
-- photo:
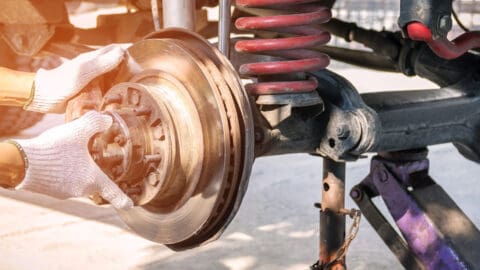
(356, 215)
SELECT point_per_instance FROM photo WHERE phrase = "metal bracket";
(435, 14)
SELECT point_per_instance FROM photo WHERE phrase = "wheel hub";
(181, 145)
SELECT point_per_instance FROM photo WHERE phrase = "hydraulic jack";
(436, 233)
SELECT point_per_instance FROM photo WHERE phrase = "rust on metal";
(182, 141)
(332, 221)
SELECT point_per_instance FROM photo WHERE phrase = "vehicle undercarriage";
(198, 100)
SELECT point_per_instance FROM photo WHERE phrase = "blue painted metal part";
(391, 180)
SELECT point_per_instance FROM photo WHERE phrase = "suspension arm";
(416, 119)
(351, 124)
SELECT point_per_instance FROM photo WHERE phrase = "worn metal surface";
(332, 222)
(354, 124)
(202, 173)
(419, 118)
(342, 128)
(138, 151)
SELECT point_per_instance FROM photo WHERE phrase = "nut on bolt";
(343, 132)
(444, 24)
(356, 194)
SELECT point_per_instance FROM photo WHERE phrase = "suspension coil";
(296, 19)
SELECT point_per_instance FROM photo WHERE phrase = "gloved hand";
(60, 166)
(53, 88)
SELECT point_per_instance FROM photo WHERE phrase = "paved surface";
(276, 227)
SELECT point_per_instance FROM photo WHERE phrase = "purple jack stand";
(438, 235)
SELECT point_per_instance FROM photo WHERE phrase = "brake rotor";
(182, 141)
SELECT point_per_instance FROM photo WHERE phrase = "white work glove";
(60, 166)
(53, 88)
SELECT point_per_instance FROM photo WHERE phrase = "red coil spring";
(297, 48)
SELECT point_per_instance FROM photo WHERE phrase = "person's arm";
(48, 91)
(15, 87)
(12, 165)
(57, 163)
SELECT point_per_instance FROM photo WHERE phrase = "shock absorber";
(297, 21)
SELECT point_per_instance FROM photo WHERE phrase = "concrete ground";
(276, 227)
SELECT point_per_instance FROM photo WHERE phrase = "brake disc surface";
(186, 144)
